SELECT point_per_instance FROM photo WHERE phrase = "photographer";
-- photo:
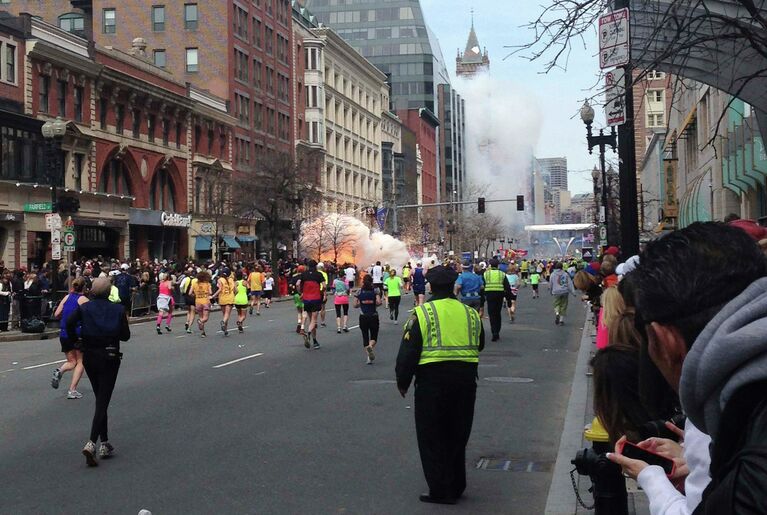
(104, 325)
(709, 339)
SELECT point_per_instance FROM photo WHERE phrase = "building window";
(150, 127)
(114, 179)
(159, 58)
(258, 115)
(269, 40)
(655, 120)
(257, 74)
(257, 32)
(63, 98)
(162, 192)
(136, 123)
(10, 63)
(158, 18)
(197, 193)
(120, 118)
(314, 132)
(312, 98)
(103, 113)
(79, 167)
(109, 21)
(191, 60)
(656, 95)
(79, 96)
(165, 132)
(20, 154)
(178, 134)
(45, 86)
(72, 22)
(656, 75)
(312, 58)
(210, 141)
(222, 145)
(190, 16)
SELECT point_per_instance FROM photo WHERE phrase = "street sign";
(614, 39)
(68, 238)
(615, 95)
(56, 243)
(37, 207)
(52, 221)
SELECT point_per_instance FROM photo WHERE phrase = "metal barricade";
(144, 300)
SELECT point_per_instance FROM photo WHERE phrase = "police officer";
(496, 288)
(441, 348)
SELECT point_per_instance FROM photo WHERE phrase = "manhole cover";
(509, 379)
(513, 465)
(373, 381)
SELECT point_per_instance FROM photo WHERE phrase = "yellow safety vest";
(450, 331)
(494, 280)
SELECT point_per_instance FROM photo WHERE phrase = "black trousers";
(444, 413)
(494, 305)
(5, 311)
(369, 325)
(102, 373)
(394, 306)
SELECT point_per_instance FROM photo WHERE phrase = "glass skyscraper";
(393, 35)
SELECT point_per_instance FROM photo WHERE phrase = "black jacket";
(739, 457)
(104, 324)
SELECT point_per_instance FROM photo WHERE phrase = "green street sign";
(38, 207)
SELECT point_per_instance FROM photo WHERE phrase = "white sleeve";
(664, 498)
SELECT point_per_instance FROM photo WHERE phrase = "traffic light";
(481, 205)
(68, 205)
(520, 202)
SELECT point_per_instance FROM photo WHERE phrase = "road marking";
(44, 364)
(353, 327)
(9, 370)
(182, 336)
(238, 360)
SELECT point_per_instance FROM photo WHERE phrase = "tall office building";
(556, 196)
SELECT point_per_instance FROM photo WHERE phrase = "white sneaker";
(89, 451)
(106, 450)
(74, 394)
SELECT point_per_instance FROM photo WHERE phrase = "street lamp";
(587, 115)
(53, 132)
(595, 178)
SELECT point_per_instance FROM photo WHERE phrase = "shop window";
(162, 192)
(21, 155)
(114, 179)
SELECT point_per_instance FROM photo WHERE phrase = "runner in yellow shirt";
(201, 289)
(256, 282)
(225, 294)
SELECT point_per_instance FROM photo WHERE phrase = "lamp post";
(595, 179)
(601, 141)
(53, 132)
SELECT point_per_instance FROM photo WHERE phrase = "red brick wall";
(425, 136)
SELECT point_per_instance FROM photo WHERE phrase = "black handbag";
(32, 325)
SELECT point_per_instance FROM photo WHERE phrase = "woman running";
(225, 295)
(185, 286)
(268, 289)
(202, 290)
(367, 299)
(297, 300)
(341, 302)
(393, 286)
(69, 343)
(240, 299)
(511, 298)
(165, 302)
(256, 279)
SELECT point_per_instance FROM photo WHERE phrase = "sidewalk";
(580, 412)
(53, 332)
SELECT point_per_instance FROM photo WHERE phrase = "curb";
(561, 499)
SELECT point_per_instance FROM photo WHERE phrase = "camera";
(658, 429)
(590, 463)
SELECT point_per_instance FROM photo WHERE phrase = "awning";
(230, 241)
(247, 239)
(202, 243)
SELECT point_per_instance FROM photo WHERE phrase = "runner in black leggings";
(104, 326)
(368, 299)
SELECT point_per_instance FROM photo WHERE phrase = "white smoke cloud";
(502, 130)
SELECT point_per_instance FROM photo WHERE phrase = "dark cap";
(467, 264)
(494, 263)
(441, 276)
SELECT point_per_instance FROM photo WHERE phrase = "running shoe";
(106, 450)
(338, 330)
(258, 313)
(306, 340)
(203, 335)
(316, 344)
(167, 328)
(298, 328)
(186, 328)
(89, 451)
(56, 379)
(391, 316)
(74, 394)
(250, 311)
(371, 353)
(188, 331)
(556, 320)
(239, 327)
(346, 329)
(159, 331)
(369, 361)
(323, 324)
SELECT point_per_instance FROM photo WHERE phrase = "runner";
(311, 286)
(321, 270)
(202, 289)
(406, 277)
(367, 299)
(511, 298)
(225, 295)
(377, 272)
(268, 289)
(69, 343)
(341, 303)
(293, 289)
(535, 279)
(419, 285)
(350, 274)
(468, 287)
(165, 303)
(241, 299)
(187, 294)
(256, 281)
(524, 269)
(393, 287)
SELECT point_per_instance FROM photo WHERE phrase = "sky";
(557, 95)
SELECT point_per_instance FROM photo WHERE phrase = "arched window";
(115, 179)
(72, 22)
(162, 193)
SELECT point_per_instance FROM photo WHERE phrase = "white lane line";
(9, 370)
(353, 327)
(238, 360)
(44, 364)
(260, 373)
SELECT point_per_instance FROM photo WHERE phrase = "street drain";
(507, 465)
(509, 379)
(373, 381)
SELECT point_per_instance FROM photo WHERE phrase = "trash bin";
(31, 322)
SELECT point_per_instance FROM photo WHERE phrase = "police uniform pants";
(494, 305)
(444, 412)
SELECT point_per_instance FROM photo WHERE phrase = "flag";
(381, 217)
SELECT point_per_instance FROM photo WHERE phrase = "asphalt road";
(285, 430)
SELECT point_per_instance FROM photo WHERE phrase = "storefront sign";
(175, 220)
(11, 217)
(243, 229)
(37, 207)
(207, 228)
